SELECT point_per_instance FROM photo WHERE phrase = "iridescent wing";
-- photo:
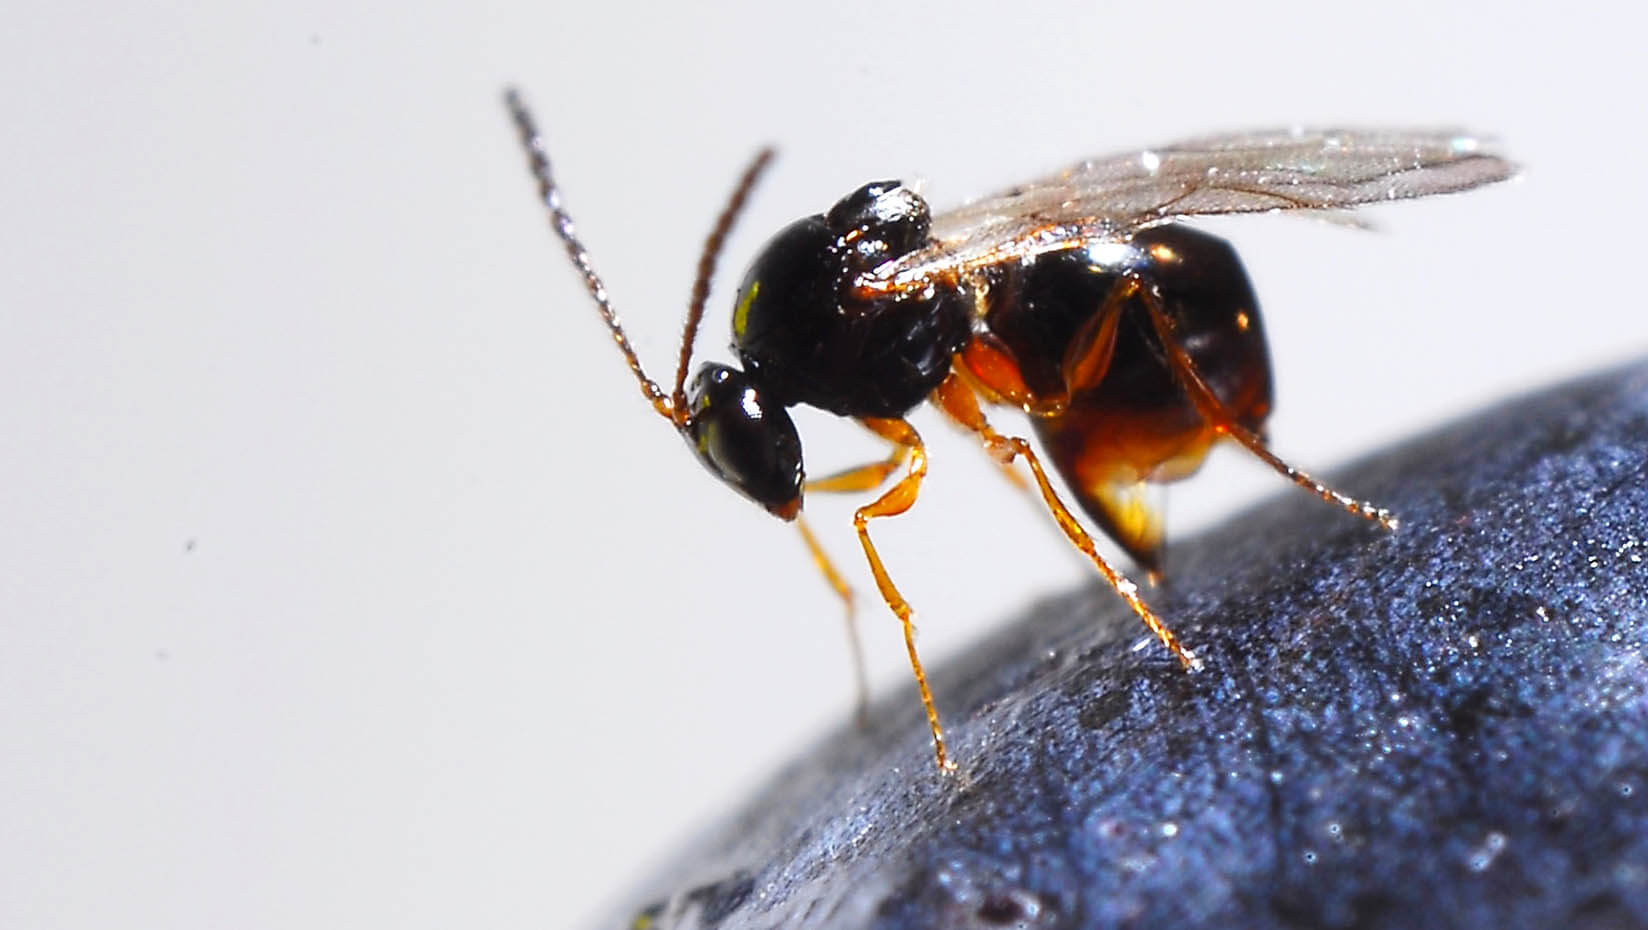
(1249, 172)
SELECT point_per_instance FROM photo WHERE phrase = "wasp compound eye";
(747, 442)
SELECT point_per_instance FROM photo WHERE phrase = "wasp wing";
(1248, 172)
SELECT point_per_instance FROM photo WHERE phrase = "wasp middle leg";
(959, 401)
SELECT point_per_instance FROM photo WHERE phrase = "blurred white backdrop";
(347, 581)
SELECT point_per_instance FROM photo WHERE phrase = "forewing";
(1250, 172)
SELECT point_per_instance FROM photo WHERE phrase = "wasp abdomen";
(1112, 413)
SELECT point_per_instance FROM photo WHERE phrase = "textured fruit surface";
(1445, 727)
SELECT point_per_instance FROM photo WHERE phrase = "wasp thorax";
(745, 440)
(881, 220)
(806, 339)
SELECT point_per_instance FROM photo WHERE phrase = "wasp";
(1131, 340)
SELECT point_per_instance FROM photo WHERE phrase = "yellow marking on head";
(741, 313)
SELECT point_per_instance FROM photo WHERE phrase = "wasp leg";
(860, 478)
(844, 591)
(1006, 468)
(909, 452)
(959, 401)
(1205, 400)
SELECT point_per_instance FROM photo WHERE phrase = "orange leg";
(1210, 407)
(860, 478)
(909, 452)
(961, 403)
(845, 592)
(1006, 467)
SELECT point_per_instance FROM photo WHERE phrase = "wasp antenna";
(549, 192)
(706, 266)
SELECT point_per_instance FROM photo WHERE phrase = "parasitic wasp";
(1132, 340)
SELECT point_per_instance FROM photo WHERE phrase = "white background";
(346, 580)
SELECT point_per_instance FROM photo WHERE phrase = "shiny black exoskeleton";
(1095, 374)
(804, 338)
(1047, 314)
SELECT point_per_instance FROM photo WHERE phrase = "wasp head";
(747, 441)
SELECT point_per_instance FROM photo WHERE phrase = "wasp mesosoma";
(1132, 341)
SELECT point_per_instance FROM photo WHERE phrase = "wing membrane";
(1249, 172)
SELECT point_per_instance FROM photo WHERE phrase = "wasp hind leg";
(1203, 397)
